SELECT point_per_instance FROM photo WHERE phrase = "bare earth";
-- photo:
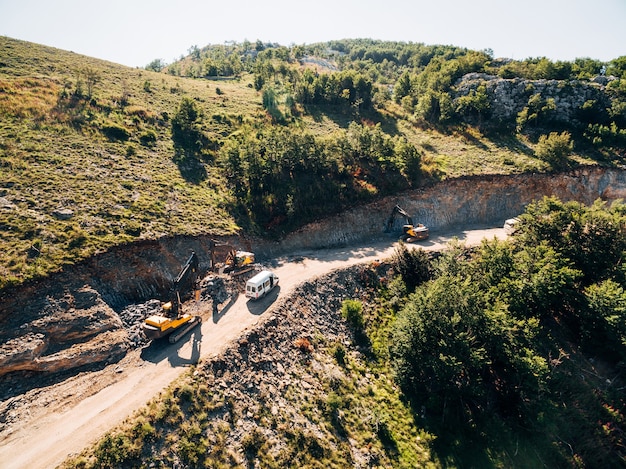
(62, 419)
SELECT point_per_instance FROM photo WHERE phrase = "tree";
(605, 322)
(186, 128)
(402, 88)
(454, 352)
(555, 148)
(156, 65)
(537, 111)
(92, 77)
(413, 265)
(475, 104)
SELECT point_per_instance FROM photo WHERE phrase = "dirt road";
(65, 418)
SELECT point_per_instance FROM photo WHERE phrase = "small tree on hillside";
(555, 148)
(186, 133)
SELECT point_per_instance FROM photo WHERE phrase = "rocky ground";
(263, 379)
(42, 368)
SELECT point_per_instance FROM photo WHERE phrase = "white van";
(261, 284)
(510, 225)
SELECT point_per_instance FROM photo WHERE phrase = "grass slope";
(87, 160)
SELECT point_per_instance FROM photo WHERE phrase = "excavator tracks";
(177, 335)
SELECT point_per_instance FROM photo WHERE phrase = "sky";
(136, 32)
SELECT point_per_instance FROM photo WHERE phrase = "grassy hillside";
(94, 154)
(87, 156)
(61, 151)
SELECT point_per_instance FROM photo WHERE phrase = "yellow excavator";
(173, 322)
(410, 232)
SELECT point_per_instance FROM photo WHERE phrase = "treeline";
(493, 334)
(282, 177)
(362, 74)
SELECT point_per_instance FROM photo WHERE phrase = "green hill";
(95, 154)
(261, 139)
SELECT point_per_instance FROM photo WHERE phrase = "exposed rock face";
(507, 97)
(479, 201)
(70, 331)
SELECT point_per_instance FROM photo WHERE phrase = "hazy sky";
(135, 32)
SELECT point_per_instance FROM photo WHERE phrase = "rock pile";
(133, 317)
(288, 354)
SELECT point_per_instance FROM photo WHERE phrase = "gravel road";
(64, 418)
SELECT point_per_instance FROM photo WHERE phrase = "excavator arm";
(398, 212)
(185, 282)
(173, 322)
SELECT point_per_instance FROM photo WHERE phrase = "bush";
(148, 138)
(555, 148)
(115, 132)
(352, 311)
(413, 265)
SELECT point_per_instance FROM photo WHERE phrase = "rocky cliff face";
(507, 97)
(463, 202)
(75, 317)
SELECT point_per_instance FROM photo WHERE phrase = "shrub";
(352, 311)
(555, 148)
(115, 131)
(252, 442)
(413, 265)
(148, 138)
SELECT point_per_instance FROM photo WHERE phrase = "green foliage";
(116, 132)
(602, 135)
(156, 65)
(475, 105)
(277, 173)
(605, 318)
(453, 352)
(542, 68)
(148, 138)
(592, 238)
(555, 148)
(541, 282)
(617, 67)
(253, 442)
(348, 90)
(186, 128)
(586, 68)
(352, 311)
(114, 451)
(538, 111)
(484, 341)
(413, 265)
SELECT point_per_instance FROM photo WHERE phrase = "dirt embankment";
(74, 319)
(462, 202)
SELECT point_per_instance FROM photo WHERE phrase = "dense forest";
(492, 342)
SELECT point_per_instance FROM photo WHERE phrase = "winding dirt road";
(67, 417)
